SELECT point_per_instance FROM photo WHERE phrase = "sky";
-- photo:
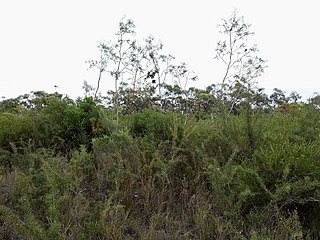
(44, 43)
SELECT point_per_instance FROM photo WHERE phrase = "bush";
(14, 127)
(153, 123)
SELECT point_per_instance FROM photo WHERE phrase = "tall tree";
(242, 64)
(138, 69)
(115, 57)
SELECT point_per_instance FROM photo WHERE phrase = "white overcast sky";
(46, 42)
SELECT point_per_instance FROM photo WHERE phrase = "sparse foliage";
(140, 71)
(243, 65)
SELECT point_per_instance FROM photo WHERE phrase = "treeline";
(154, 159)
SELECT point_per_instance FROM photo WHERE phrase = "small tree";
(278, 97)
(315, 100)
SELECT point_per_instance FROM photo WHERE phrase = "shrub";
(151, 122)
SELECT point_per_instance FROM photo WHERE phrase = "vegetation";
(157, 160)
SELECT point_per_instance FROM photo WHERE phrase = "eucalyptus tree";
(315, 100)
(240, 57)
(138, 69)
(278, 97)
(242, 68)
(115, 57)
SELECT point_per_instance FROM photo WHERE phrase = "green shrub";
(14, 127)
(151, 122)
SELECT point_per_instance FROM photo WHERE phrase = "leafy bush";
(65, 124)
(14, 127)
(151, 122)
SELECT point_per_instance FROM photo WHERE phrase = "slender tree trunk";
(98, 86)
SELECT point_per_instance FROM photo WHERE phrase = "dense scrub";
(73, 170)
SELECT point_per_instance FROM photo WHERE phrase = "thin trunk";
(117, 78)
(98, 86)
(229, 61)
(101, 69)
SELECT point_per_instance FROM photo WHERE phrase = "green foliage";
(67, 123)
(14, 127)
(152, 123)
(161, 174)
(229, 163)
